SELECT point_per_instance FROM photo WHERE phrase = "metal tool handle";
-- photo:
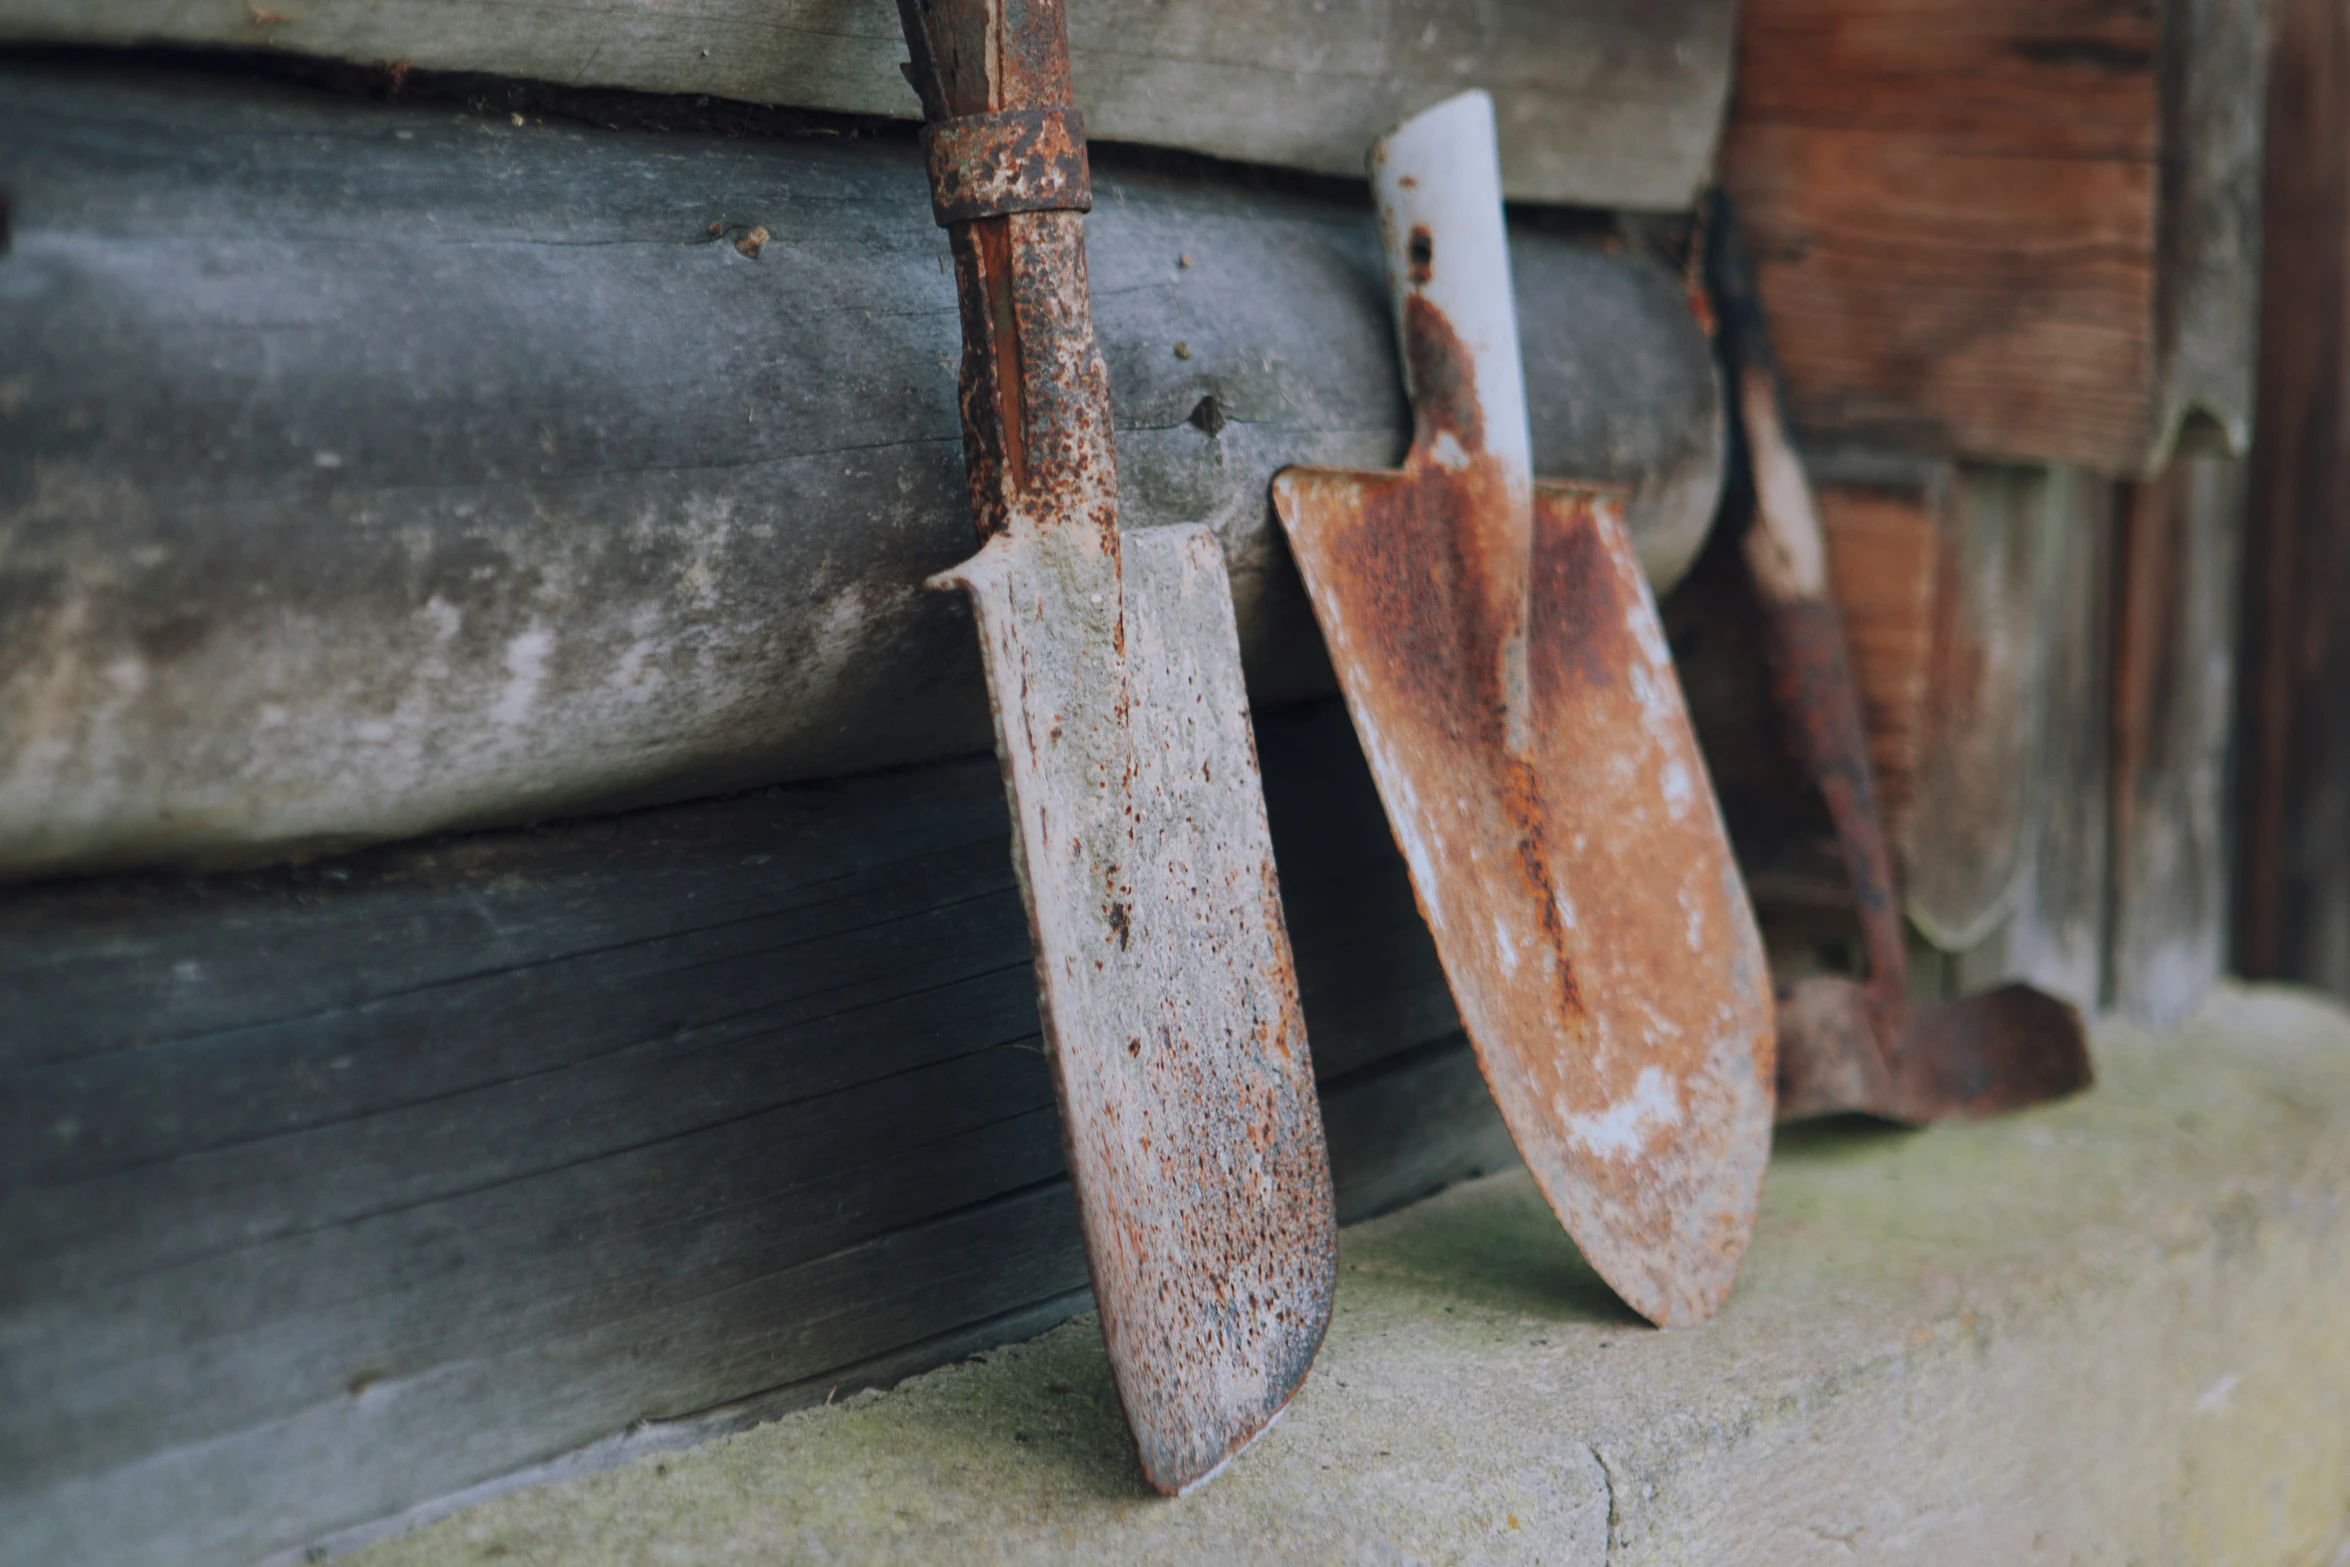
(1437, 181)
(1010, 185)
(1811, 668)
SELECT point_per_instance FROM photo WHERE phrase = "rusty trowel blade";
(1508, 677)
(1576, 875)
(1170, 1007)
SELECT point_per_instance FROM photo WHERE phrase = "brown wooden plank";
(2009, 230)
(2294, 815)
(1884, 562)
(1602, 103)
(2062, 78)
(1948, 300)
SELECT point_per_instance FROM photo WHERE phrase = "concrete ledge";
(2113, 1330)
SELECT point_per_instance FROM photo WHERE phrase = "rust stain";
(1528, 736)
(1165, 981)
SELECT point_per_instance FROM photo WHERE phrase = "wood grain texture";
(2294, 812)
(1968, 830)
(1602, 102)
(2207, 325)
(2174, 676)
(1884, 564)
(2055, 935)
(2014, 231)
(374, 470)
(335, 1190)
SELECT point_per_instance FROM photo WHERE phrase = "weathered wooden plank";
(1885, 554)
(2174, 676)
(328, 1191)
(2294, 817)
(1603, 103)
(2055, 936)
(373, 470)
(2207, 324)
(1967, 832)
(2014, 230)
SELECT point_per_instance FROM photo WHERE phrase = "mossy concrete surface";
(2111, 1330)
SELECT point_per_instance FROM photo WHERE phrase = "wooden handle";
(1437, 181)
(1811, 666)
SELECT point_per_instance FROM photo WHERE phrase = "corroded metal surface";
(1980, 1055)
(1844, 1046)
(1163, 968)
(992, 165)
(1509, 679)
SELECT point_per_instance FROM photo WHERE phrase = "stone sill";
(2116, 1329)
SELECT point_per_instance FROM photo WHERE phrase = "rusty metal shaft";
(1844, 1047)
(1804, 641)
(994, 81)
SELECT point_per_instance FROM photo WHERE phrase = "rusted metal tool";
(1844, 1046)
(1509, 681)
(1163, 969)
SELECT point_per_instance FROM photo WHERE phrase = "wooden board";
(2012, 230)
(1602, 103)
(1884, 564)
(372, 470)
(331, 1191)
(1966, 834)
(2293, 818)
(2055, 935)
(1943, 576)
(2174, 704)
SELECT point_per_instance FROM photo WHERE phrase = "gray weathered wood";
(369, 471)
(2207, 306)
(2174, 719)
(1602, 102)
(1966, 832)
(2055, 935)
(330, 1191)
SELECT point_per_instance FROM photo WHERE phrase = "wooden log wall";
(331, 1191)
(2005, 229)
(2294, 816)
(1602, 103)
(371, 470)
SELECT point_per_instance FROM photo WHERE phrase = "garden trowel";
(1508, 678)
(1163, 968)
(1845, 1046)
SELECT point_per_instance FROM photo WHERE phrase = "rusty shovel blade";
(1165, 985)
(1167, 993)
(1508, 677)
